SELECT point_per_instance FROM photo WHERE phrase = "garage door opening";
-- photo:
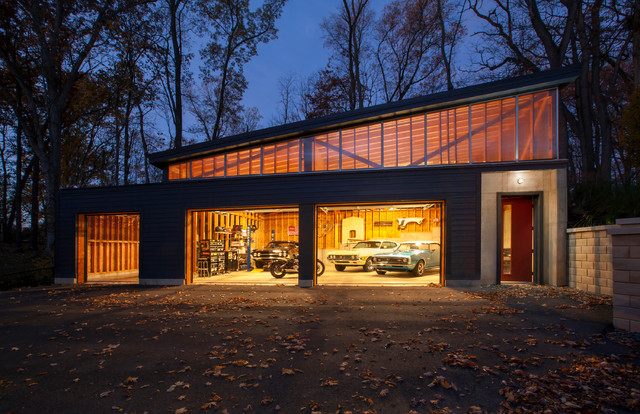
(236, 246)
(390, 244)
(108, 248)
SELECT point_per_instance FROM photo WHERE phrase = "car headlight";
(406, 260)
(331, 257)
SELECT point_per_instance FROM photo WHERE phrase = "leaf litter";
(241, 350)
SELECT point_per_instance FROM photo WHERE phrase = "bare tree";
(529, 36)
(63, 35)
(407, 37)
(289, 90)
(347, 33)
(6, 180)
(451, 30)
(174, 60)
(633, 22)
(234, 31)
(324, 94)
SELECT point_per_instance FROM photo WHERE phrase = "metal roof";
(437, 101)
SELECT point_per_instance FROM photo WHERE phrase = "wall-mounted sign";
(383, 223)
(293, 230)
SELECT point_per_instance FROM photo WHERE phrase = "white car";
(360, 254)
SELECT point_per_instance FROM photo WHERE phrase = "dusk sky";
(299, 49)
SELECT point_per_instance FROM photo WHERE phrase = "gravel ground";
(199, 349)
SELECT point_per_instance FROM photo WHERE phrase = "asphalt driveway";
(198, 349)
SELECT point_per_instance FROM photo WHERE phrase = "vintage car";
(360, 254)
(410, 256)
(275, 250)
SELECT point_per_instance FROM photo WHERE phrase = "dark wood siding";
(163, 209)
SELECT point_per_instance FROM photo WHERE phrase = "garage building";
(470, 183)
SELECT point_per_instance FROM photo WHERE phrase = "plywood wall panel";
(112, 243)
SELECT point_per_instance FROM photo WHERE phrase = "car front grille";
(343, 257)
(389, 260)
(267, 255)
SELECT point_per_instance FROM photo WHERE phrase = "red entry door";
(517, 239)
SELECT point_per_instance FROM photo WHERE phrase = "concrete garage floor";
(331, 277)
(116, 277)
(353, 276)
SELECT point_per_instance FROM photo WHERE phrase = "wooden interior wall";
(332, 220)
(201, 226)
(112, 243)
(280, 223)
(205, 222)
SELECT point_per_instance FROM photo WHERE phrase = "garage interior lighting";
(384, 207)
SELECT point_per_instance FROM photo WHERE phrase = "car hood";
(276, 250)
(361, 252)
(398, 254)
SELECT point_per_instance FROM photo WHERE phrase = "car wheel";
(368, 266)
(319, 268)
(277, 269)
(419, 269)
(381, 272)
(340, 268)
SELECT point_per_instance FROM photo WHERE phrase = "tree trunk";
(635, 27)
(6, 224)
(127, 141)
(35, 206)
(51, 170)
(221, 98)
(600, 101)
(12, 213)
(17, 196)
(177, 62)
(145, 149)
(443, 51)
(118, 129)
(586, 126)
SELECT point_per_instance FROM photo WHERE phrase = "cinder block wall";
(625, 238)
(590, 266)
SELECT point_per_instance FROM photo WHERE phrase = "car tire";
(340, 268)
(419, 269)
(277, 269)
(368, 266)
(381, 272)
(319, 268)
(259, 265)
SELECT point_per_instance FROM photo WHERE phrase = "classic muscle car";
(360, 254)
(410, 256)
(275, 250)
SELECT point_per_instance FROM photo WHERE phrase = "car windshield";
(417, 246)
(367, 245)
(275, 245)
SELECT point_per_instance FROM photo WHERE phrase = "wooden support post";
(307, 241)
(81, 248)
